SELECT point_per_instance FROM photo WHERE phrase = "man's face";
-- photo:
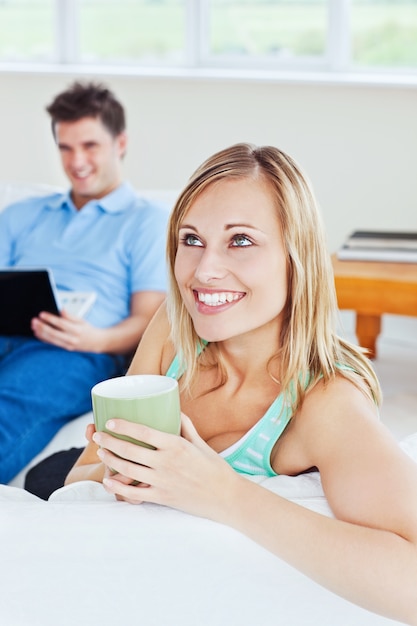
(91, 158)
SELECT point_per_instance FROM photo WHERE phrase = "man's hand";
(68, 332)
(73, 333)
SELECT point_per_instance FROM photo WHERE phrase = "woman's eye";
(191, 240)
(241, 241)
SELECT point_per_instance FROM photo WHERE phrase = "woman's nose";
(211, 266)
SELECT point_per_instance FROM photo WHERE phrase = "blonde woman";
(267, 388)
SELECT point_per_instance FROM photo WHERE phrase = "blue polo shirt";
(114, 246)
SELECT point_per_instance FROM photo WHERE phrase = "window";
(145, 32)
(264, 33)
(384, 33)
(325, 35)
(27, 30)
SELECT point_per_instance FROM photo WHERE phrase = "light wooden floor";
(396, 367)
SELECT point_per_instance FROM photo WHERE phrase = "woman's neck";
(248, 355)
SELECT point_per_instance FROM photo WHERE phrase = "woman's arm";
(368, 554)
(147, 360)
(88, 465)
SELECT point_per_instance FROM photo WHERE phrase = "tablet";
(24, 293)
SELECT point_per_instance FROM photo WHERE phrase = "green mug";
(143, 399)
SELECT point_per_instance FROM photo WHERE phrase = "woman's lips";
(217, 298)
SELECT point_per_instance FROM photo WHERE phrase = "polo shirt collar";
(116, 201)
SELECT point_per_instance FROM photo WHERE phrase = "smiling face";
(230, 265)
(91, 158)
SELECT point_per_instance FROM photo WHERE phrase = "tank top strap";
(252, 454)
(176, 370)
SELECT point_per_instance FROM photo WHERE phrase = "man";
(100, 237)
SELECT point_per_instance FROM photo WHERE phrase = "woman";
(267, 387)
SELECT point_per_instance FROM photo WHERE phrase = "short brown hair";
(88, 100)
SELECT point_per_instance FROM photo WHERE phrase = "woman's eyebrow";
(238, 225)
(226, 227)
(187, 226)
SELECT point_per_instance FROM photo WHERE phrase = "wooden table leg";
(368, 328)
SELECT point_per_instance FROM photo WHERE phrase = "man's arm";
(72, 333)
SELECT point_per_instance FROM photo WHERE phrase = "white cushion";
(12, 192)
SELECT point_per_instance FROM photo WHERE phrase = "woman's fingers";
(139, 432)
(89, 431)
(181, 472)
(119, 481)
(131, 493)
(131, 460)
(188, 430)
(150, 436)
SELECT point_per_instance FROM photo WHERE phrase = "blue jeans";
(41, 388)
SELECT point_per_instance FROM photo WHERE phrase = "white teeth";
(216, 299)
(82, 174)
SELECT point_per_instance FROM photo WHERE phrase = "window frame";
(334, 66)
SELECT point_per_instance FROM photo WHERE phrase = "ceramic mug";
(147, 399)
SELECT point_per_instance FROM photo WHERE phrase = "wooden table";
(372, 289)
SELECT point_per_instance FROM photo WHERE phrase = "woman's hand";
(89, 432)
(88, 466)
(181, 472)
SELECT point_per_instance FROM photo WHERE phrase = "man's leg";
(41, 388)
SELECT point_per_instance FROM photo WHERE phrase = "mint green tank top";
(252, 453)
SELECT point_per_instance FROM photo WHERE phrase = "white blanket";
(82, 558)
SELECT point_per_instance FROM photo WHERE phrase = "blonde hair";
(309, 346)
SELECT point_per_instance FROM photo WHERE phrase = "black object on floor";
(49, 475)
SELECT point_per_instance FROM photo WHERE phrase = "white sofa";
(84, 558)
(72, 434)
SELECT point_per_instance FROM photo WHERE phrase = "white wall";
(357, 143)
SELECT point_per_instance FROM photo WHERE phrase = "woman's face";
(231, 264)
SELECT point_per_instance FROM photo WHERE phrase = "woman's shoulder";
(333, 408)
(334, 396)
(155, 350)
